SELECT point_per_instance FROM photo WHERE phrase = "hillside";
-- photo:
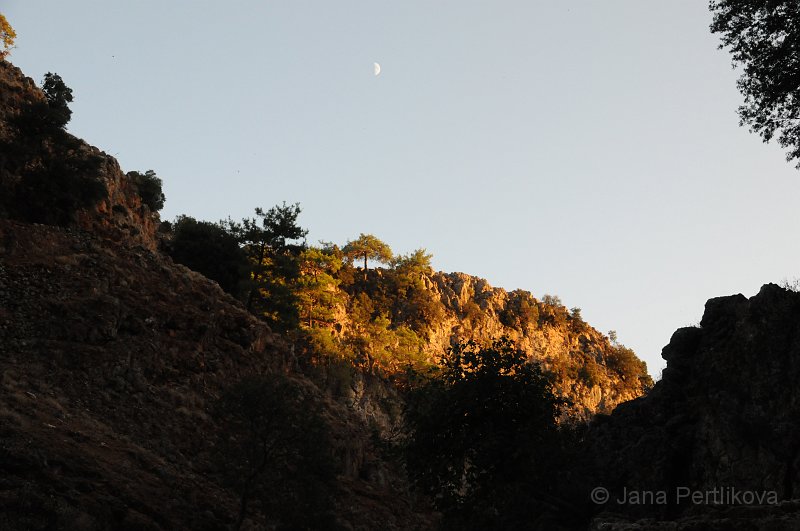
(112, 361)
(438, 310)
(136, 393)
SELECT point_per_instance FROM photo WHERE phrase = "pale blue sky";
(588, 149)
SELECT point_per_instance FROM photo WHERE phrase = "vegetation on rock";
(149, 186)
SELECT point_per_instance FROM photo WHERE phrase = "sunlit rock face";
(575, 353)
(726, 415)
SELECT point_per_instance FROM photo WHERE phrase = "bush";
(53, 183)
(149, 187)
(209, 249)
(520, 311)
(631, 369)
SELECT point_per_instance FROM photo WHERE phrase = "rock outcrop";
(725, 416)
(576, 353)
(119, 215)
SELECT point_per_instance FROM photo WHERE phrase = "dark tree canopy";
(484, 438)
(273, 242)
(763, 37)
(59, 96)
(211, 250)
(48, 174)
(150, 188)
(276, 450)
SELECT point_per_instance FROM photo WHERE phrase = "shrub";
(631, 369)
(55, 186)
(149, 187)
(209, 249)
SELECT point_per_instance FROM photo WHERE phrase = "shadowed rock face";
(111, 361)
(120, 215)
(725, 415)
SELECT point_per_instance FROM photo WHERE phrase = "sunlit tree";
(366, 247)
(317, 288)
(273, 241)
(7, 36)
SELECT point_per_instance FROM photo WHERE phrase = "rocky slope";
(112, 358)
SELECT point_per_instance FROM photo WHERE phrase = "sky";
(587, 149)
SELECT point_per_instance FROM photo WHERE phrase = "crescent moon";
(377, 68)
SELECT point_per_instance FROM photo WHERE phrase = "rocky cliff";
(442, 309)
(724, 422)
(581, 358)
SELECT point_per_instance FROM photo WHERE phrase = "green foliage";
(405, 294)
(763, 36)
(271, 242)
(367, 246)
(484, 439)
(317, 293)
(276, 451)
(589, 372)
(415, 264)
(149, 186)
(210, 249)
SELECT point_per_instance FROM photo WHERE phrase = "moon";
(377, 68)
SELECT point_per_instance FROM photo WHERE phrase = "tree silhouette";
(149, 186)
(59, 96)
(210, 249)
(275, 448)
(763, 36)
(484, 436)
